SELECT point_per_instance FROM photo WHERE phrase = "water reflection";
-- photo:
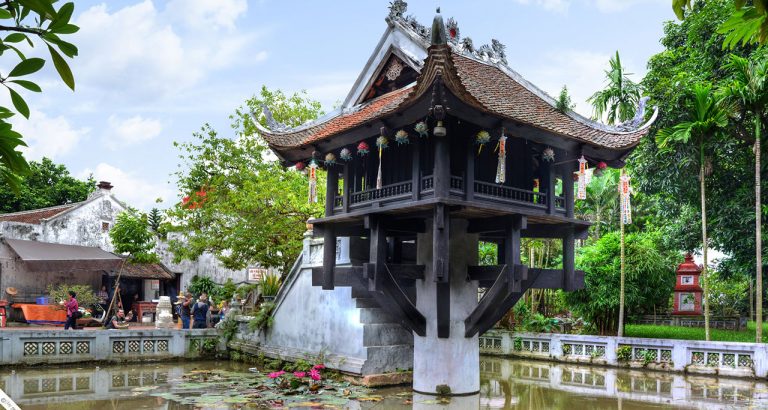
(505, 384)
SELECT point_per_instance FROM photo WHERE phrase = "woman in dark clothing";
(186, 311)
(72, 308)
(200, 312)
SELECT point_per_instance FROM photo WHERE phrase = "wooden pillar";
(332, 187)
(347, 187)
(551, 182)
(378, 240)
(568, 169)
(512, 247)
(415, 170)
(469, 182)
(569, 262)
(329, 256)
(442, 170)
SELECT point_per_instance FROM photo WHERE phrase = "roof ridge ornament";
(637, 120)
(438, 30)
(272, 124)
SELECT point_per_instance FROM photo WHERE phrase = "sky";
(153, 72)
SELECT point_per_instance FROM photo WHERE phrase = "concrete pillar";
(453, 361)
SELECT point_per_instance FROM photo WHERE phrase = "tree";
(244, 206)
(749, 89)
(707, 117)
(29, 20)
(154, 220)
(564, 103)
(131, 236)
(46, 184)
(620, 97)
(650, 278)
(747, 25)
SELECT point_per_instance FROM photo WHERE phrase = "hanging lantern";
(363, 149)
(422, 128)
(548, 155)
(313, 182)
(345, 154)
(382, 142)
(600, 167)
(581, 193)
(330, 159)
(625, 191)
(300, 166)
(501, 167)
(481, 139)
(402, 137)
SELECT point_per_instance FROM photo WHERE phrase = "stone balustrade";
(689, 356)
(61, 346)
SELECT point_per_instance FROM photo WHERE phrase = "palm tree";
(619, 99)
(707, 116)
(748, 89)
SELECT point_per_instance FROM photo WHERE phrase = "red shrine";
(688, 289)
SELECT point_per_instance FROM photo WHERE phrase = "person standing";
(72, 309)
(103, 296)
(200, 312)
(186, 311)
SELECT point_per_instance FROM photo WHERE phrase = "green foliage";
(46, 184)
(564, 103)
(228, 329)
(29, 21)
(270, 284)
(692, 333)
(566, 349)
(154, 219)
(522, 314)
(85, 295)
(200, 284)
(131, 235)
(243, 290)
(650, 278)
(517, 344)
(263, 318)
(488, 253)
(254, 209)
(541, 324)
(727, 293)
(624, 353)
(619, 99)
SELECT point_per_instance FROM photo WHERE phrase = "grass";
(694, 333)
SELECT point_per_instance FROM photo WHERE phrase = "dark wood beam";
(554, 278)
(416, 169)
(569, 261)
(493, 314)
(329, 257)
(503, 287)
(343, 276)
(568, 169)
(551, 183)
(406, 271)
(347, 177)
(512, 230)
(331, 188)
(484, 273)
(469, 181)
(348, 229)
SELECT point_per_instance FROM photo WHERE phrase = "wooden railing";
(506, 193)
(387, 191)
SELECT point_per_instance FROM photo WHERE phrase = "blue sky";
(152, 72)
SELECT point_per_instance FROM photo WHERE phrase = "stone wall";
(689, 356)
(29, 347)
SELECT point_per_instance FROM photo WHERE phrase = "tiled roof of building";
(145, 271)
(35, 216)
(485, 86)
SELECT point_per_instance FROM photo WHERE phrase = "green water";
(505, 384)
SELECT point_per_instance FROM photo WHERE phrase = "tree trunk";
(704, 243)
(758, 239)
(751, 300)
(621, 291)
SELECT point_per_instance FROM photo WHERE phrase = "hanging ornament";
(501, 168)
(382, 142)
(625, 191)
(402, 137)
(600, 167)
(481, 139)
(345, 154)
(548, 155)
(422, 128)
(363, 149)
(300, 166)
(581, 193)
(312, 181)
(330, 159)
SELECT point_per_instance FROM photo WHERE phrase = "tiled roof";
(36, 215)
(145, 271)
(482, 85)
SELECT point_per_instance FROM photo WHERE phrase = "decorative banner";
(363, 149)
(402, 138)
(422, 128)
(345, 154)
(330, 159)
(313, 182)
(548, 155)
(625, 191)
(481, 139)
(581, 193)
(501, 168)
(382, 142)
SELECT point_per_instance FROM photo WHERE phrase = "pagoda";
(440, 145)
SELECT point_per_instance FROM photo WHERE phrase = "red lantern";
(363, 149)
(602, 165)
(300, 166)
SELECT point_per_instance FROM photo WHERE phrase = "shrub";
(263, 319)
(270, 285)
(624, 353)
(518, 344)
(85, 296)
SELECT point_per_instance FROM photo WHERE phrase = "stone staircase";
(388, 344)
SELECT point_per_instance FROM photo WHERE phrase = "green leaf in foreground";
(28, 66)
(19, 103)
(63, 68)
(29, 85)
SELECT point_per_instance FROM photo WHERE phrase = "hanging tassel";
(501, 168)
(581, 193)
(382, 143)
(625, 191)
(312, 182)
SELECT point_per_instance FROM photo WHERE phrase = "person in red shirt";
(72, 308)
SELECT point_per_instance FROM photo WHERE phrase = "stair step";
(386, 334)
(385, 359)
(366, 303)
(375, 315)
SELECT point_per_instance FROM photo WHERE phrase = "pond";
(505, 384)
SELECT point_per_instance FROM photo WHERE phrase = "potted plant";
(270, 285)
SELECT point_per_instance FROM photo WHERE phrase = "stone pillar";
(164, 313)
(453, 361)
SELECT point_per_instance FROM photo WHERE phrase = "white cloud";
(130, 131)
(551, 5)
(137, 51)
(207, 14)
(612, 6)
(47, 136)
(130, 188)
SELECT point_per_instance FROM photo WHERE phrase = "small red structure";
(688, 290)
